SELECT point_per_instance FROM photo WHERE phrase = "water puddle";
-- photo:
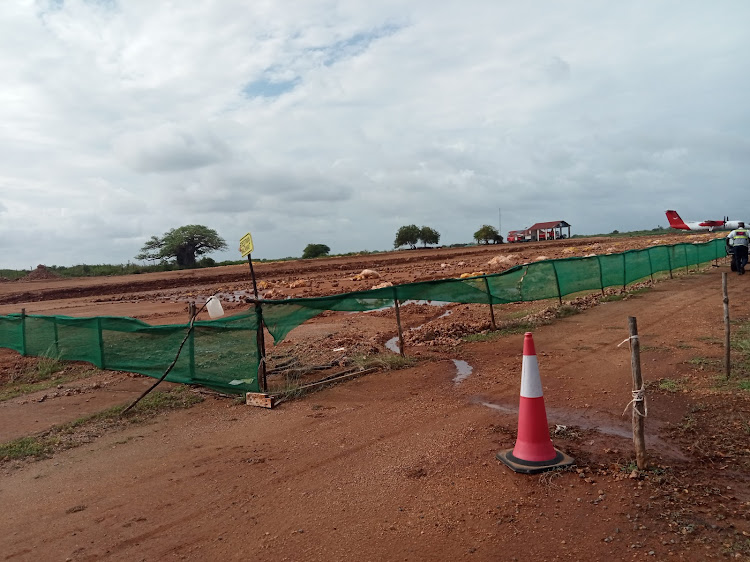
(392, 344)
(569, 417)
(438, 304)
(463, 370)
(596, 421)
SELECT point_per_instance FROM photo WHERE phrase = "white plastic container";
(213, 305)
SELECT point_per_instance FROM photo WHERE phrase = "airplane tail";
(675, 221)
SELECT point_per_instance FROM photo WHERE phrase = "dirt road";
(401, 464)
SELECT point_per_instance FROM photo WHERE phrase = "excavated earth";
(399, 464)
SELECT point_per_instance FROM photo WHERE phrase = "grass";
(489, 336)
(704, 361)
(670, 385)
(648, 348)
(85, 429)
(47, 372)
(565, 310)
(740, 346)
(521, 325)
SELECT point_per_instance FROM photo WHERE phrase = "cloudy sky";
(337, 122)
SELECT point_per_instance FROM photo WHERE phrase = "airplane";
(710, 225)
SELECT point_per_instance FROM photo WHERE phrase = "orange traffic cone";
(533, 451)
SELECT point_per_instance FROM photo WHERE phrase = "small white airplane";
(710, 225)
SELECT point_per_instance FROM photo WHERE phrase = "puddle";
(404, 303)
(463, 370)
(392, 344)
(569, 417)
(594, 421)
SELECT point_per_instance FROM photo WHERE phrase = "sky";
(335, 123)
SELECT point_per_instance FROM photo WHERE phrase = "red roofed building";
(552, 230)
(548, 230)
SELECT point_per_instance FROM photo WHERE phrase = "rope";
(638, 396)
(635, 337)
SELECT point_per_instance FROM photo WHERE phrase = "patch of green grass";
(744, 385)
(14, 389)
(670, 385)
(648, 348)
(710, 339)
(489, 336)
(612, 298)
(705, 361)
(740, 346)
(24, 447)
(688, 423)
(48, 365)
(566, 310)
(86, 428)
(639, 291)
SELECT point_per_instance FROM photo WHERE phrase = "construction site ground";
(398, 464)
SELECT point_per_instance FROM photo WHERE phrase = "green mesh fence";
(222, 354)
(535, 281)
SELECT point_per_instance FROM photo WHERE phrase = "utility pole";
(499, 221)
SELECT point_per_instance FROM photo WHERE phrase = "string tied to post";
(639, 396)
(626, 340)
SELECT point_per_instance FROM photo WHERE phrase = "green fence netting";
(223, 354)
(220, 354)
(535, 281)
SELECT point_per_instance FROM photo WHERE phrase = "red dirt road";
(400, 465)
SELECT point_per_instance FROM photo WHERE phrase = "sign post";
(246, 248)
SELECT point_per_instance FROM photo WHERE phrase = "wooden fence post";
(489, 298)
(398, 324)
(191, 340)
(727, 328)
(23, 332)
(100, 341)
(639, 396)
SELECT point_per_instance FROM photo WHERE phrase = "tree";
(429, 235)
(407, 235)
(183, 243)
(315, 251)
(487, 233)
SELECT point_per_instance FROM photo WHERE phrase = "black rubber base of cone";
(561, 460)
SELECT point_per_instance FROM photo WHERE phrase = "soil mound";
(41, 272)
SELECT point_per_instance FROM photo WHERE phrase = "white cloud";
(306, 120)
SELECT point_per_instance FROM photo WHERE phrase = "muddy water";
(463, 370)
(595, 421)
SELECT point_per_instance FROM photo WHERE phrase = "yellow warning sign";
(246, 244)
